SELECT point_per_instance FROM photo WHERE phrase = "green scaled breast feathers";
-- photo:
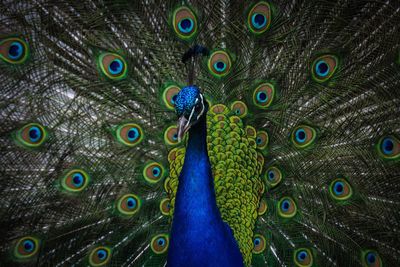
(236, 167)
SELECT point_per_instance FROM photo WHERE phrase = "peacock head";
(190, 105)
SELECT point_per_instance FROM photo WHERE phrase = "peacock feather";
(286, 151)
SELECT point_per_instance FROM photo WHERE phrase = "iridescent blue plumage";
(199, 236)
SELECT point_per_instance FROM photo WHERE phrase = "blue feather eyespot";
(303, 257)
(26, 247)
(324, 67)
(14, 50)
(239, 108)
(371, 258)
(31, 135)
(100, 256)
(259, 18)
(219, 63)
(171, 135)
(153, 172)
(170, 94)
(263, 95)
(75, 180)
(262, 207)
(128, 204)
(184, 23)
(259, 244)
(159, 243)
(389, 147)
(340, 189)
(165, 206)
(287, 207)
(129, 134)
(303, 136)
(273, 176)
(113, 66)
(262, 140)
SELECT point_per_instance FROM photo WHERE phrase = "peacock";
(200, 133)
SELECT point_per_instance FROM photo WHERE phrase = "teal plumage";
(87, 161)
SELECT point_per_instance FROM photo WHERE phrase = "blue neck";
(199, 237)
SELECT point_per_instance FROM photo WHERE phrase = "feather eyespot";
(219, 63)
(389, 147)
(239, 109)
(165, 206)
(113, 66)
(129, 134)
(184, 22)
(128, 204)
(262, 139)
(153, 172)
(273, 176)
(371, 258)
(31, 135)
(75, 180)
(324, 67)
(160, 243)
(259, 244)
(100, 256)
(340, 189)
(263, 95)
(262, 207)
(303, 136)
(26, 247)
(287, 207)
(259, 18)
(303, 257)
(14, 50)
(169, 96)
(171, 135)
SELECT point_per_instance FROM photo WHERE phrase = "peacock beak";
(183, 127)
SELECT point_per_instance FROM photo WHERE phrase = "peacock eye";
(129, 134)
(262, 207)
(14, 50)
(274, 176)
(26, 247)
(239, 108)
(287, 207)
(128, 204)
(171, 135)
(389, 147)
(31, 135)
(153, 172)
(259, 244)
(165, 206)
(75, 180)
(262, 139)
(113, 66)
(169, 96)
(324, 67)
(259, 18)
(340, 189)
(263, 95)
(303, 257)
(160, 243)
(185, 23)
(371, 258)
(219, 63)
(100, 256)
(303, 136)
